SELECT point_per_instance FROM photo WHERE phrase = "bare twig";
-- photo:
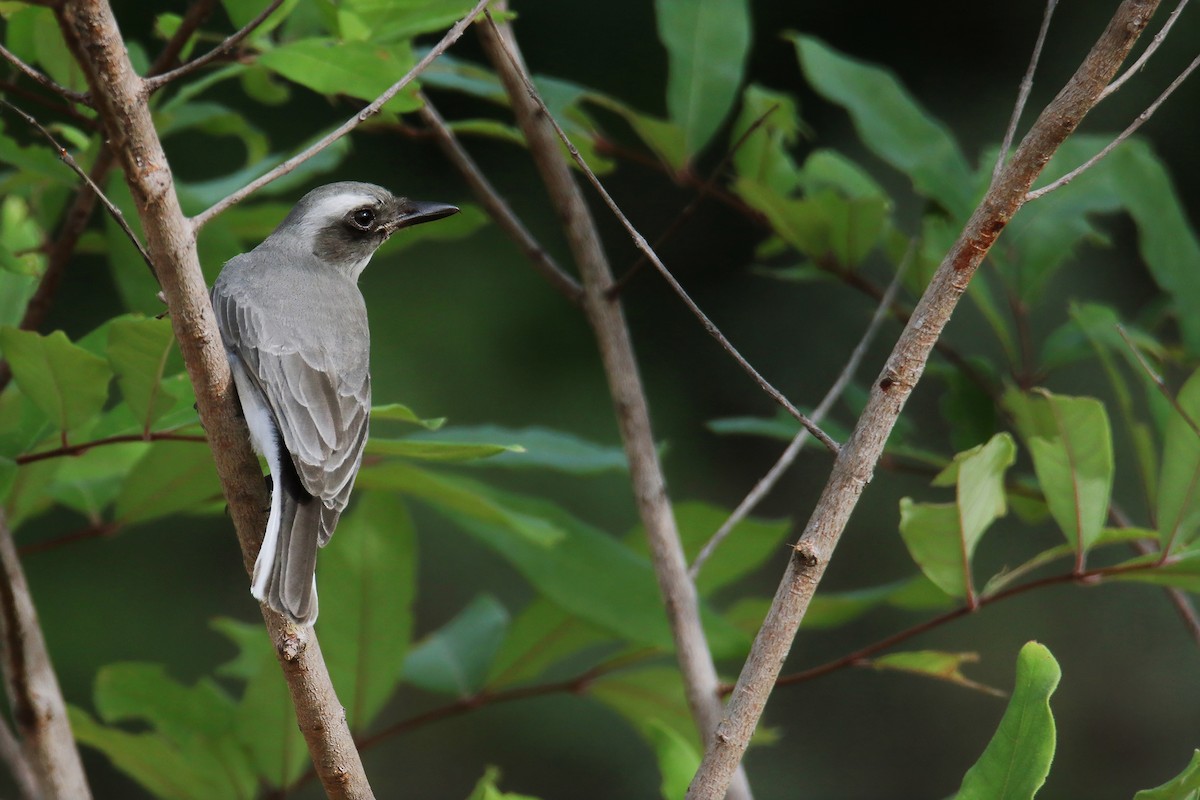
(641, 243)
(607, 320)
(452, 36)
(41, 79)
(1178, 598)
(702, 192)
(66, 157)
(1125, 134)
(38, 710)
(1158, 381)
(1023, 93)
(1141, 60)
(83, 447)
(785, 460)
(154, 83)
(496, 206)
(92, 35)
(856, 462)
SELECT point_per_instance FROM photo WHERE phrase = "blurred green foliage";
(540, 595)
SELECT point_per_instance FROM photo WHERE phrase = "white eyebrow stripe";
(328, 209)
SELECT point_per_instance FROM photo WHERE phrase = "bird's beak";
(414, 212)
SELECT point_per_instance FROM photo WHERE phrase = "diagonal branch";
(38, 710)
(856, 462)
(92, 35)
(760, 490)
(605, 315)
(42, 79)
(1026, 88)
(641, 243)
(1141, 60)
(495, 205)
(1125, 134)
(156, 82)
(452, 36)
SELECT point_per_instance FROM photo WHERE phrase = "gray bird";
(295, 329)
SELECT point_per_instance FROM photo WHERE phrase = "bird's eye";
(362, 218)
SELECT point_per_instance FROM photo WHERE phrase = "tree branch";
(91, 34)
(607, 320)
(785, 460)
(1026, 88)
(641, 243)
(18, 767)
(156, 82)
(41, 79)
(494, 204)
(38, 709)
(83, 447)
(452, 36)
(1125, 134)
(1155, 43)
(856, 462)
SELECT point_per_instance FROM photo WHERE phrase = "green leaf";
(1179, 480)
(891, 123)
(459, 496)
(678, 758)
(390, 20)
(456, 658)
(581, 569)
(368, 579)
(1179, 571)
(359, 69)
(1017, 760)
(68, 384)
(241, 13)
(149, 759)
(1073, 459)
(22, 423)
(834, 609)
(424, 450)
(665, 138)
(942, 536)
(749, 544)
(646, 697)
(138, 350)
(707, 42)
(1184, 786)
(486, 788)
(398, 412)
(764, 156)
(823, 224)
(172, 477)
(538, 638)
(91, 481)
(139, 691)
(935, 664)
(537, 448)
(265, 718)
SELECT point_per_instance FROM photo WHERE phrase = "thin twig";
(452, 36)
(1145, 56)
(41, 79)
(856, 462)
(97, 530)
(156, 82)
(500, 211)
(614, 343)
(641, 243)
(35, 699)
(785, 460)
(1125, 134)
(66, 157)
(83, 447)
(702, 193)
(1178, 598)
(1023, 93)
(1158, 381)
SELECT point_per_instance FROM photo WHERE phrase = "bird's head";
(344, 223)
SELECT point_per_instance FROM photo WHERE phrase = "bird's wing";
(321, 407)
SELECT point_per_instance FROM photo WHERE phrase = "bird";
(294, 326)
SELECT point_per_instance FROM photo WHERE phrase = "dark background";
(469, 332)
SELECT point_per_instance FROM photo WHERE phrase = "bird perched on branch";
(295, 330)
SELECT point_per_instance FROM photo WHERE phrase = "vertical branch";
(91, 33)
(856, 461)
(607, 320)
(39, 713)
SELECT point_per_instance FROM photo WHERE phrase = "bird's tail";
(284, 574)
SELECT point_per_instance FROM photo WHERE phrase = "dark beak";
(415, 212)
